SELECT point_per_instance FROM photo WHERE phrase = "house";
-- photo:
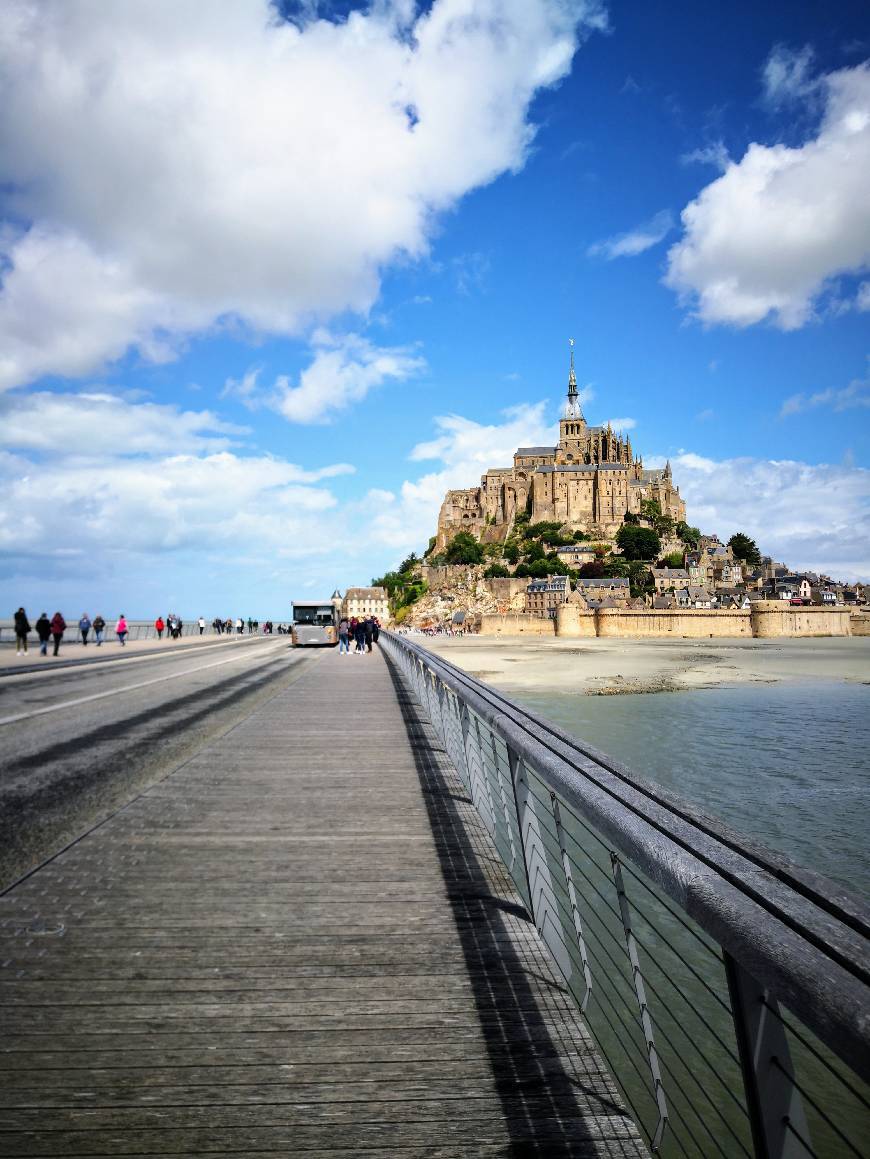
(693, 597)
(664, 603)
(668, 578)
(729, 573)
(543, 596)
(362, 602)
(615, 588)
(576, 555)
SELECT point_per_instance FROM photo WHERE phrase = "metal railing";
(726, 988)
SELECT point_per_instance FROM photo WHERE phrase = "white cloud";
(622, 424)
(179, 168)
(715, 154)
(788, 75)
(856, 394)
(343, 371)
(636, 241)
(766, 237)
(862, 298)
(786, 507)
(99, 423)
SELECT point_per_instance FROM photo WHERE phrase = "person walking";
(43, 630)
(360, 637)
(368, 625)
(240, 626)
(58, 627)
(22, 627)
(99, 629)
(84, 628)
(343, 636)
(121, 629)
(159, 627)
(201, 625)
(376, 628)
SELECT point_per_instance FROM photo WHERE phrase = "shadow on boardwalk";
(557, 1096)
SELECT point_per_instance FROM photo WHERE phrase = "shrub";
(464, 548)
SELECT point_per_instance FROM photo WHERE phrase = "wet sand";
(608, 667)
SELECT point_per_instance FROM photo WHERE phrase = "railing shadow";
(556, 1095)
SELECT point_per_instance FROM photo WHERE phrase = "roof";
(553, 583)
(583, 467)
(613, 581)
(526, 451)
(583, 548)
(698, 593)
(670, 572)
(366, 594)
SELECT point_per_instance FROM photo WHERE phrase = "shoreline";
(614, 667)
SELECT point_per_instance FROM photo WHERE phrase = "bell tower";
(572, 425)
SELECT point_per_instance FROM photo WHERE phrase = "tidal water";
(787, 764)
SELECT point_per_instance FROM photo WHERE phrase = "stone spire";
(572, 409)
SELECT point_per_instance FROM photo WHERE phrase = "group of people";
(364, 633)
(53, 629)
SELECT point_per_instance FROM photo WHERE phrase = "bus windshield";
(320, 614)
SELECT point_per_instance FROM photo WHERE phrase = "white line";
(126, 688)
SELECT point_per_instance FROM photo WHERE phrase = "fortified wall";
(767, 619)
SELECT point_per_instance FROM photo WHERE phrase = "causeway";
(299, 942)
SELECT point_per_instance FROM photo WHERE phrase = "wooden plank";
(301, 941)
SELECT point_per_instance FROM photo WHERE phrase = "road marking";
(127, 688)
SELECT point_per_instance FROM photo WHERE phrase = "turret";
(572, 427)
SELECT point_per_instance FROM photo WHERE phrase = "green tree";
(638, 542)
(496, 571)
(744, 548)
(580, 536)
(534, 551)
(431, 547)
(673, 559)
(691, 536)
(640, 578)
(521, 517)
(592, 570)
(511, 552)
(409, 564)
(540, 569)
(464, 548)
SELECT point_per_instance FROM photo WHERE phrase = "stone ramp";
(301, 942)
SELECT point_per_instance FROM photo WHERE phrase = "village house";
(693, 597)
(543, 596)
(668, 578)
(576, 555)
(610, 591)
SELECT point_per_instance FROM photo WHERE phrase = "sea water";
(787, 764)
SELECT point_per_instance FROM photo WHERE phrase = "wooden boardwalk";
(302, 942)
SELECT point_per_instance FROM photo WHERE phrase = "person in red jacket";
(58, 627)
(159, 626)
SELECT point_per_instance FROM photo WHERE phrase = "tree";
(431, 546)
(744, 548)
(691, 536)
(592, 570)
(408, 564)
(673, 559)
(496, 571)
(580, 536)
(540, 569)
(630, 517)
(638, 542)
(534, 551)
(464, 548)
(511, 552)
(640, 578)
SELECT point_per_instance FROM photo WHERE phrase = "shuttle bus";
(314, 622)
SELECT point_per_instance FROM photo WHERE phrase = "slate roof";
(615, 581)
(553, 583)
(577, 467)
(524, 452)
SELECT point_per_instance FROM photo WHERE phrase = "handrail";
(785, 934)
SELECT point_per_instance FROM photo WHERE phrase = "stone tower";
(572, 425)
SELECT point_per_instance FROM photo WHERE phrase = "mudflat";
(608, 667)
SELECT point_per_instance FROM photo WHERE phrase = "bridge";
(378, 908)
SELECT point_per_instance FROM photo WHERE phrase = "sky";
(273, 277)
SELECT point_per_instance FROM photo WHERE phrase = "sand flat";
(613, 666)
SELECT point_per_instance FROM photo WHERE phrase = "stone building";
(610, 591)
(362, 602)
(668, 579)
(543, 596)
(588, 482)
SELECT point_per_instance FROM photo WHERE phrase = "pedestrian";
(99, 629)
(180, 625)
(359, 633)
(121, 629)
(43, 630)
(159, 627)
(250, 625)
(343, 636)
(240, 626)
(84, 628)
(369, 627)
(376, 628)
(201, 625)
(58, 627)
(22, 627)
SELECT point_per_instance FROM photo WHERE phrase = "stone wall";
(771, 618)
(766, 620)
(688, 623)
(517, 624)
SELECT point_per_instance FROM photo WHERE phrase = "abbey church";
(589, 481)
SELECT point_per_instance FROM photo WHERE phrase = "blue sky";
(272, 282)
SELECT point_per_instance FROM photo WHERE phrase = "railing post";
(572, 895)
(640, 993)
(774, 1105)
(514, 764)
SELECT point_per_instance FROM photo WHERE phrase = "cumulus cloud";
(344, 369)
(765, 238)
(856, 394)
(622, 424)
(179, 167)
(104, 424)
(637, 240)
(785, 506)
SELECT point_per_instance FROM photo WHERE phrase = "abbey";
(589, 481)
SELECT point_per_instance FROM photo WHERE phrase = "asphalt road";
(79, 742)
